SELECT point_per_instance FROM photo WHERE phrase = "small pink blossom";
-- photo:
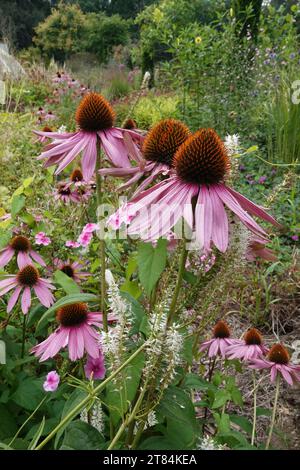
(42, 239)
(85, 238)
(52, 381)
(95, 368)
(72, 244)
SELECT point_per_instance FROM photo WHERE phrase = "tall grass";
(283, 124)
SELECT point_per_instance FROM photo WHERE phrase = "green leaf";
(260, 411)
(157, 443)
(223, 423)
(82, 436)
(182, 426)
(197, 383)
(121, 392)
(29, 393)
(236, 396)
(221, 397)
(37, 435)
(17, 204)
(67, 300)
(242, 422)
(27, 182)
(151, 263)
(74, 399)
(140, 319)
(66, 282)
(5, 236)
(132, 288)
(8, 426)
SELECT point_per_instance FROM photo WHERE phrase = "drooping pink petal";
(44, 295)
(252, 208)
(204, 218)
(233, 204)
(69, 157)
(114, 148)
(220, 222)
(13, 299)
(23, 259)
(26, 300)
(72, 345)
(90, 343)
(286, 375)
(88, 161)
(5, 256)
(37, 258)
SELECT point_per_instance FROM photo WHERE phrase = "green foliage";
(153, 108)
(151, 263)
(103, 32)
(60, 35)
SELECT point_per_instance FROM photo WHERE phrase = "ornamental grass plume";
(27, 279)
(155, 157)
(198, 193)
(20, 246)
(76, 330)
(95, 120)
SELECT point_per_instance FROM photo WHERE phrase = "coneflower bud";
(76, 175)
(129, 124)
(94, 113)
(221, 330)
(279, 354)
(253, 336)
(202, 158)
(163, 140)
(72, 315)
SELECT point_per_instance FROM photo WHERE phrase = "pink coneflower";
(72, 244)
(95, 367)
(198, 193)
(156, 157)
(95, 119)
(65, 194)
(42, 239)
(251, 347)
(220, 342)
(73, 269)
(278, 361)
(27, 278)
(257, 249)
(76, 330)
(52, 381)
(20, 246)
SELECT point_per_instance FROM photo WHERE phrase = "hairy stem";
(182, 262)
(274, 411)
(254, 407)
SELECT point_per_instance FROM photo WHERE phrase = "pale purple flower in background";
(26, 279)
(220, 342)
(295, 238)
(278, 362)
(52, 381)
(72, 244)
(251, 347)
(76, 330)
(72, 269)
(42, 239)
(95, 367)
(262, 179)
(21, 246)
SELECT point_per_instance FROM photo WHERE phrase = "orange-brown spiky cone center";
(94, 113)
(129, 124)
(202, 158)
(72, 315)
(76, 175)
(47, 129)
(279, 354)
(253, 336)
(68, 270)
(221, 330)
(28, 276)
(20, 243)
(163, 140)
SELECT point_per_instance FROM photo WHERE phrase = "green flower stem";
(274, 411)
(182, 262)
(102, 244)
(254, 407)
(27, 420)
(130, 419)
(23, 336)
(77, 409)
